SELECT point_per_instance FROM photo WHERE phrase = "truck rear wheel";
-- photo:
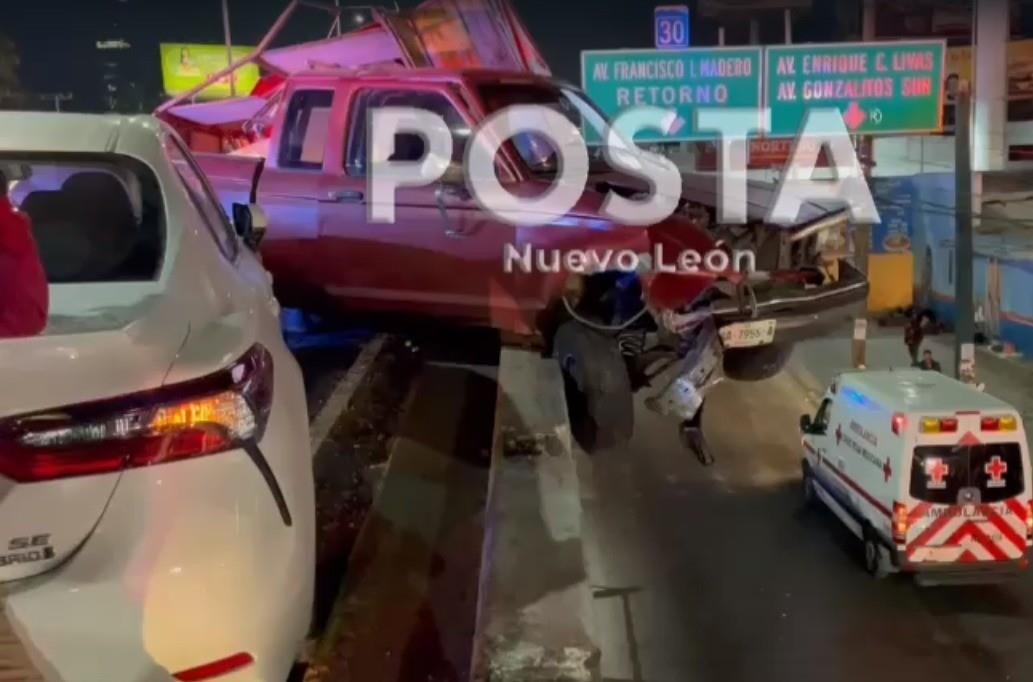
(599, 396)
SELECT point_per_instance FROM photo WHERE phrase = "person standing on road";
(929, 362)
(913, 336)
(24, 296)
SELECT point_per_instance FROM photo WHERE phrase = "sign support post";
(863, 233)
(964, 332)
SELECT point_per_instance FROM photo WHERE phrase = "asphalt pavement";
(719, 574)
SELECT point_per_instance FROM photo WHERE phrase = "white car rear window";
(95, 219)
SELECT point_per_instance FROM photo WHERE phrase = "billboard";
(185, 66)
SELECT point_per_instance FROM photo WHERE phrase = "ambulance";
(932, 475)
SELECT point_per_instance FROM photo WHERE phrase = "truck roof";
(915, 390)
(405, 73)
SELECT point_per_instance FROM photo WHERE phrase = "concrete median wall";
(534, 621)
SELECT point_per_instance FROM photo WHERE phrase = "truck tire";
(599, 396)
(756, 364)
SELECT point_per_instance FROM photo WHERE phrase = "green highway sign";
(680, 80)
(879, 87)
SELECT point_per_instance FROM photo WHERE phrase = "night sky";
(56, 37)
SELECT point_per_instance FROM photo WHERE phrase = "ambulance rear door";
(969, 490)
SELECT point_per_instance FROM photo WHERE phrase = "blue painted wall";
(933, 235)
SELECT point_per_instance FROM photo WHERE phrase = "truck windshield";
(535, 151)
(940, 472)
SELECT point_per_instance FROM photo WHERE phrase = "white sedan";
(156, 492)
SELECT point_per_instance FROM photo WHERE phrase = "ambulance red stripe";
(968, 557)
(931, 530)
(918, 511)
(1018, 509)
(859, 490)
(971, 529)
(1006, 528)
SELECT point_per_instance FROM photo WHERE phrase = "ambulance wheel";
(873, 562)
(809, 496)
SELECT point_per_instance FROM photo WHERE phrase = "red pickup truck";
(613, 332)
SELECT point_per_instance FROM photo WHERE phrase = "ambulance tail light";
(938, 425)
(901, 523)
(1005, 423)
(1029, 520)
(899, 423)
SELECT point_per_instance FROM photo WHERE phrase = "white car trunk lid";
(42, 522)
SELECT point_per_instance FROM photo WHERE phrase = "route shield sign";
(879, 87)
(679, 80)
(671, 27)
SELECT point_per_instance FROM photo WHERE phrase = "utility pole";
(229, 44)
(964, 327)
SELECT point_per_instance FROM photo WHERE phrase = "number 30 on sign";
(672, 27)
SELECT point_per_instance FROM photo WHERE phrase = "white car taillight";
(200, 417)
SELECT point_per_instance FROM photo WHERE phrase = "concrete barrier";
(534, 620)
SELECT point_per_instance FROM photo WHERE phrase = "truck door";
(443, 255)
(291, 189)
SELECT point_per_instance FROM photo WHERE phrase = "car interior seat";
(61, 244)
(106, 219)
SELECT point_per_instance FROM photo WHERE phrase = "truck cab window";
(408, 146)
(305, 130)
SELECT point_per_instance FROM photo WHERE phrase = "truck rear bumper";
(806, 313)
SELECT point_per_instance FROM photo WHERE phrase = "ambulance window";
(938, 473)
(997, 471)
(821, 419)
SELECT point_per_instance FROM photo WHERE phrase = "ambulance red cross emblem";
(936, 471)
(996, 468)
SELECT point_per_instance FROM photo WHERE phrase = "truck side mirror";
(805, 422)
(250, 223)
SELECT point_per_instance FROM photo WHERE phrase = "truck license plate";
(747, 334)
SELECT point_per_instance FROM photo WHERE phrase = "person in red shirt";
(24, 296)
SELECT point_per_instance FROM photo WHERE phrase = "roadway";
(401, 530)
(718, 574)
